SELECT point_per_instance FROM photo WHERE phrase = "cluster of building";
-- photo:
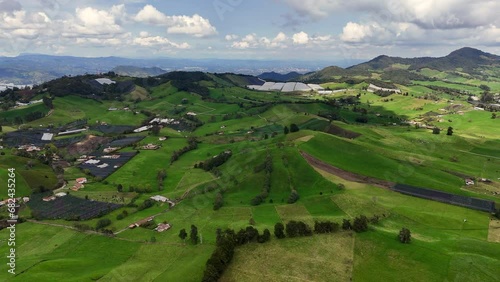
(79, 184)
(29, 148)
(160, 228)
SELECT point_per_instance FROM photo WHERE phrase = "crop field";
(69, 208)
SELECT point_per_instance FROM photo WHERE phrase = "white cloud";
(146, 40)
(149, 14)
(300, 38)
(194, 25)
(231, 37)
(90, 21)
(354, 32)
(281, 40)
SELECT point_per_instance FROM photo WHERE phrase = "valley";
(202, 150)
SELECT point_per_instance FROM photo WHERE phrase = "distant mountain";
(134, 71)
(278, 77)
(35, 68)
(468, 59)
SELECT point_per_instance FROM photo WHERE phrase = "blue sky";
(244, 29)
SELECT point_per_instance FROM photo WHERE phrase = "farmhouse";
(26, 199)
(163, 227)
(140, 222)
(29, 148)
(49, 198)
(159, 198)
(81, 180)
(150, 147)
(110, 149)
(469, 182)
(77, 186)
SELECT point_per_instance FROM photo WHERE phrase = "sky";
(248, 29)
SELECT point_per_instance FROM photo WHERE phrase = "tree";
(294, 127)
(346, 224)
(360, 224)
(119, 188)
(436, 130)
(48, 102)
(155, 129)
(450, 131)
(219, 201)
(286, 130)
(103, 222)
(183, 234)
(1, 128)
(279, 230)
(153, 239)
(266, 236)
(493, 116)
(484, 87)
(405, 235)
(194, 235)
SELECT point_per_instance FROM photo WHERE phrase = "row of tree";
(226, 241)
(215, 161)
(192, 145)
(267, 166)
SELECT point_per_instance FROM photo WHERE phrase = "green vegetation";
(244, 203)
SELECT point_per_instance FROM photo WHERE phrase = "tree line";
(267, 166)
(192, 145)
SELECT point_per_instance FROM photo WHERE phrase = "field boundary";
(346, 175)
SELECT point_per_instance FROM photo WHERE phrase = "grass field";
(449, 243)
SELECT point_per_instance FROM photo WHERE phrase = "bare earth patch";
(494, 231)
(304, 139)
(350, 176)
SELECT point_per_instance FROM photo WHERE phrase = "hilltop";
(467, 61)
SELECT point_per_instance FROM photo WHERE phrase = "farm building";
(26, 199)
(110, 149)
(71, 132)
(49, 198)
(163, 227)
(61, 194)
(159, 198)
(47, 136)
(469, 182)
(29, 148)
(372, 88)
(150, 147)
(140, 222)
(142, 129)
(105, 81)
(81, 180)
(77, 186)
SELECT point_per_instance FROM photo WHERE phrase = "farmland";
(269, 178)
